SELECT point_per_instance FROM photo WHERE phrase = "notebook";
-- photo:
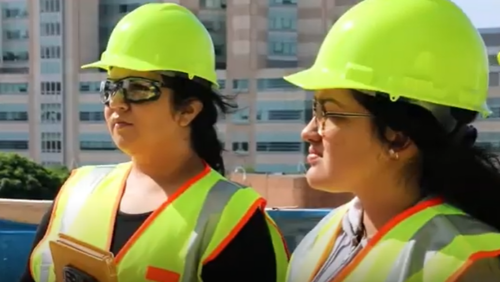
(68, 251)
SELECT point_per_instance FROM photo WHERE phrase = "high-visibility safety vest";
(420, 245)
(191, 228)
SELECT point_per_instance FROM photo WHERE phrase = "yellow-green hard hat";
(160, 37)
(426, 50)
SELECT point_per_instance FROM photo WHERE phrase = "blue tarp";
(16, 238)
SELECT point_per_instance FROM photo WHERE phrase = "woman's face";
(146, 127)
(344, 153)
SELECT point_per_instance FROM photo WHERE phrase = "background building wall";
(50, 109)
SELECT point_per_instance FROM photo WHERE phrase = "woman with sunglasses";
(169, 214)
(397, 85)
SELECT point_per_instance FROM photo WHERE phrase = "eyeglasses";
(134, 90)
(320, 114)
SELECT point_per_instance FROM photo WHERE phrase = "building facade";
(489, 129)
(50, 109)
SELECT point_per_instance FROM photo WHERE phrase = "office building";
(50, 109)
(489, 129)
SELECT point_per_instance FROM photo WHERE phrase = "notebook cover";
(94, 261)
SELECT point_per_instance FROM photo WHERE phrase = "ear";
(189, 111)
(399, 144)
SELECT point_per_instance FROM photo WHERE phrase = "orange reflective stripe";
(381, 233)
(158, 211)
(237, 228)
(273, 224)
(161, 275)
(473, 258)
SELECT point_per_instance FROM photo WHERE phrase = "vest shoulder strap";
(88, 180)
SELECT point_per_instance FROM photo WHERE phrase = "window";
(50, 6)
(127, 8)
(282, 46)
(51, 142)
(15, 12)
(51, 88)
(491, 39)
(97, 116)
(213, 4)
(279, 19)
(14, 116)
(51, 112)
(50, 29)
(222, 83)
(13, 88)
(16, 34)
(285, 115)
(241, 115)
(493, 60)
(279, 168)
(494, 79)
(20, 56)
(491, 146)
(282, 2)
(15, 70)
(489, 141)
(240, 146)
(214, 24)
(240, 85)
(264, 84)
(14, 145)
(494, 105)
(87, 87)
(50, 52)
(219, 49)
(97, 146)
(279, 146)
(51, 164)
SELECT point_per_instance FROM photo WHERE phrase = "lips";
(313, 151)
(314, 156)
(121, 123)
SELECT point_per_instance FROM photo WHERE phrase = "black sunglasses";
(134, 90)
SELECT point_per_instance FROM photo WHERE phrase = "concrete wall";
(281, 191)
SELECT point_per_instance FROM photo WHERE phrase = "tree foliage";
(21, 178)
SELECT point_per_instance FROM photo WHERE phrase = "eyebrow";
(331, 100)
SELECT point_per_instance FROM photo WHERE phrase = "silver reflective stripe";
(430, 239)
(78, 195)
(436, 234)
(212, 209)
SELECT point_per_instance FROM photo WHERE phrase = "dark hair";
(449, 164)
(204, 139)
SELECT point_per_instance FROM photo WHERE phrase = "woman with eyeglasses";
(397, 85)
(169, 214)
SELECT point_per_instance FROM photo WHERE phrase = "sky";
(483, 13)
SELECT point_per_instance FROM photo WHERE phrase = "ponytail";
(208, 147)
(204, 139)
(449, 164)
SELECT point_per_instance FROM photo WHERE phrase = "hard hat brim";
(123, 62)
(319, 78)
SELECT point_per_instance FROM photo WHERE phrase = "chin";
(323, 182)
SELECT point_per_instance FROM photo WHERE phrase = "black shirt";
(248, 257)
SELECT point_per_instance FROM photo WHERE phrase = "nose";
(117, 102)
(310, 132)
